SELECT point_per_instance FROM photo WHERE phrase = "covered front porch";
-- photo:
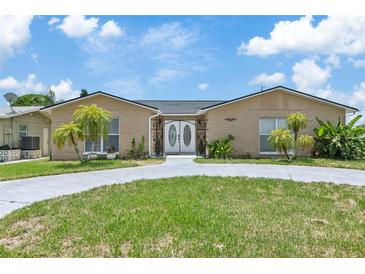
(178, 135)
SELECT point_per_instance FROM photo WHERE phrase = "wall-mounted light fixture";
(230, 119)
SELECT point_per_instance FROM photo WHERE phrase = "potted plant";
(111, 153)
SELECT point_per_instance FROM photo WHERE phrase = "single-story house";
(181, 126)
(17, 122)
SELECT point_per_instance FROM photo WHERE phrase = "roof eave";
(46, 109)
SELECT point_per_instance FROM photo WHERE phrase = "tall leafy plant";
(340, 141)
(221, 148)
(136, 151)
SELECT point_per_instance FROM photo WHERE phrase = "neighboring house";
(17, 122)
(180, 127)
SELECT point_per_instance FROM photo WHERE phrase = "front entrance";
(45, 144)
(180, 137)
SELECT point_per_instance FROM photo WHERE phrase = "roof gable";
(285, 89)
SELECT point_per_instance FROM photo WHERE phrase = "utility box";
(30, 143)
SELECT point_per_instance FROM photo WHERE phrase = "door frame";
(180, 138)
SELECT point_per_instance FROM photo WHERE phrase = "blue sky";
(184, 57)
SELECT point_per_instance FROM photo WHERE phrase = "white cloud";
(21, 87)
(53, 20)
(358, 63)
(309, 77)
(14, 34)
(166, 74)
(8, 83)
(111, 29)
(64, 90)
(203, 86)
(332, 35)
(172, 35)
(333, 60)
(76, 26)
(276, 78)
(354, 98)
(359, 93)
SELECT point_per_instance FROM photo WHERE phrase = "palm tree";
(281, 140)
(296, 122)
(69, 133)
(93, 121)
(284, 141)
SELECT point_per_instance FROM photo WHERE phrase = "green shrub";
(222, 148)
(136, 152)
(341, 141)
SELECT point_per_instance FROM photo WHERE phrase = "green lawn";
(193, 217)
(355, 164)
(47, 167)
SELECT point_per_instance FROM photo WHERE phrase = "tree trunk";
(76, 149)
(286, 153)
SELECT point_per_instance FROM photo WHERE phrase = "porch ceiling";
(179, 107)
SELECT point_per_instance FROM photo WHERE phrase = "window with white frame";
(22, 131)
(104, 142)
(266, 126)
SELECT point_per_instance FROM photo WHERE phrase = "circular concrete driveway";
(19, 193)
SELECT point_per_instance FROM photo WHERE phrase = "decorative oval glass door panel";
(172, 135)
(187, 135)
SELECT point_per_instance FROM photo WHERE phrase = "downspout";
(11, 141)
(149, 132)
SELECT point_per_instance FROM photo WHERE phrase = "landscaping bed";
(47, 167)
(193, 217)
(353, 164)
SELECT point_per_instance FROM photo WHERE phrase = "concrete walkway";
(19, 193)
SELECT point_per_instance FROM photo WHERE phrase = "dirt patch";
(218, 246)
(22, 232)
(125, 248)
(161, 244)
(347, 205)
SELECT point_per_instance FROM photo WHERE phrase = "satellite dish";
(10, 97)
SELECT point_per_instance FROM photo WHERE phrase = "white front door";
(45, 144)
(187, 137)
(172, 131)
(179, 137)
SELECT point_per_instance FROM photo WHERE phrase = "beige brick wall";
(133, 122)
(247, 113)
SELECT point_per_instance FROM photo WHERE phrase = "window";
(266, 126)
(103, 142)
(22, 131)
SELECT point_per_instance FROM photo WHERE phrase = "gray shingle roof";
(179, 106)
(7, 112)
